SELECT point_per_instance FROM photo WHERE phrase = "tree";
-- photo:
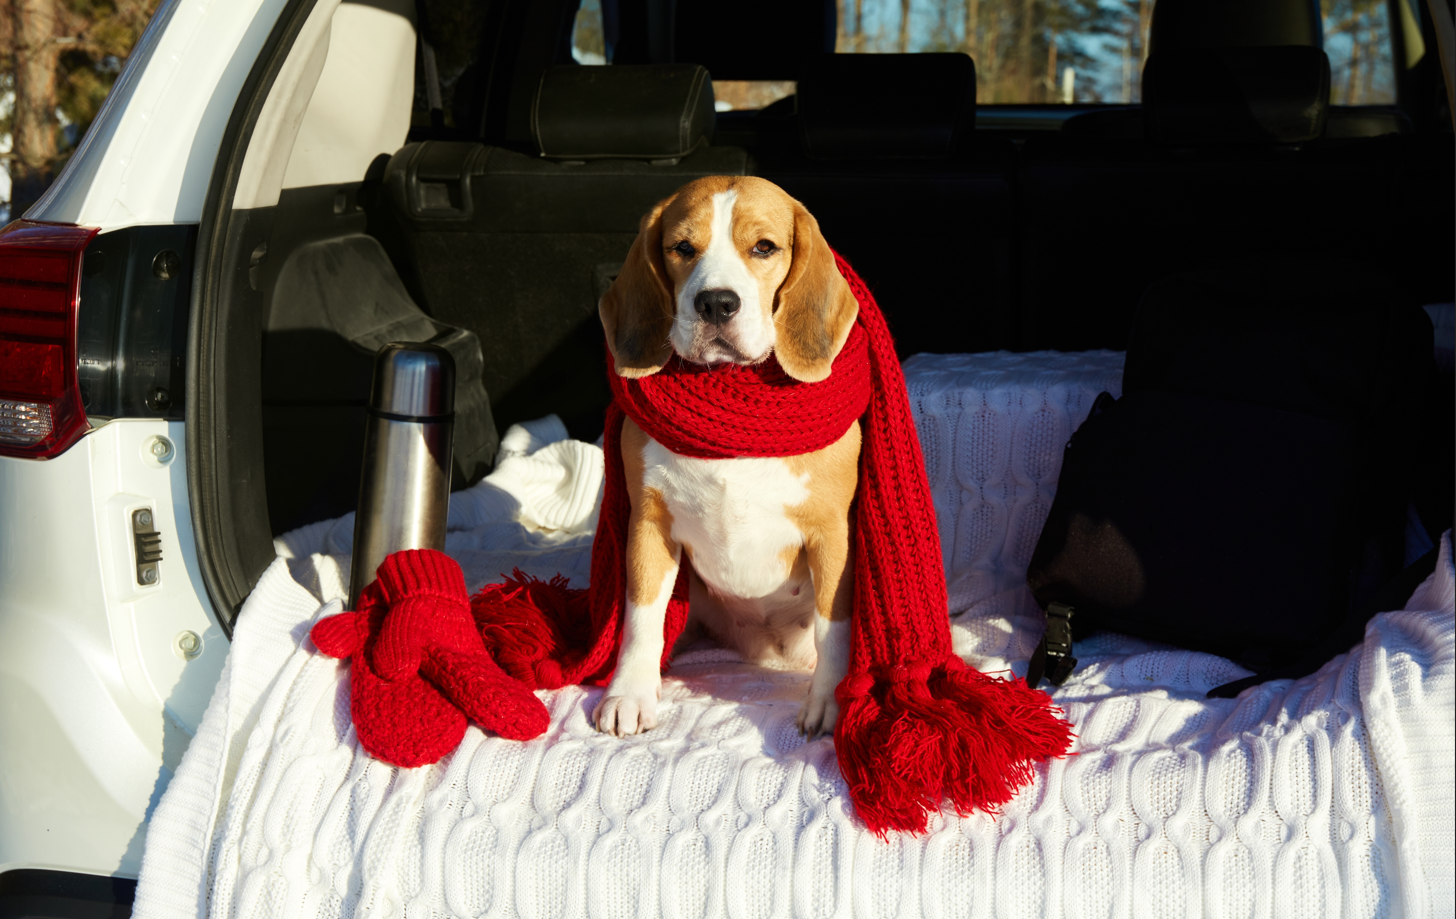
(1019, 45)
(1357, 41)
(59, 58)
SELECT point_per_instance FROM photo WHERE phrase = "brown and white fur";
(731, 270)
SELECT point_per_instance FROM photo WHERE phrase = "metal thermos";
(404, 492)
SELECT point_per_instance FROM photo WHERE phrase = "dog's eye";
(685, 249)
(764, 247)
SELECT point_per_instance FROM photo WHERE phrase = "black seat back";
(887, 163)
(1228, 165)
(520, 246)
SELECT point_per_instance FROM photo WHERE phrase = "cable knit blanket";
(1330, 796)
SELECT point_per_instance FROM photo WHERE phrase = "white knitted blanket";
(1330, 796)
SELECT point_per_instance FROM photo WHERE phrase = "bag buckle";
(1053, 656)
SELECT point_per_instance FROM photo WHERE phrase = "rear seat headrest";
(1236, 95)
(920, 106)
(645, 112)
(1179, 24)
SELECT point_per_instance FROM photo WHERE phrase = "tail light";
(40, 280)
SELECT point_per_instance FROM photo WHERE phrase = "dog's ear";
(814, 308)
(637, 310)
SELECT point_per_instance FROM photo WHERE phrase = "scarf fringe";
(924, 736)
(540, 632)
(527, 625)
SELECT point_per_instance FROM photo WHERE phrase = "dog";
(731, 270)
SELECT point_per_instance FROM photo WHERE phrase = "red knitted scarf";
(916, 725)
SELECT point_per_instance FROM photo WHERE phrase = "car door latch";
(148, 547)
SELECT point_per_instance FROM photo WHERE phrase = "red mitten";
(418, 666)
(406, 722)
(429, 630)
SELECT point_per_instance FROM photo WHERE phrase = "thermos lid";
(413, 382)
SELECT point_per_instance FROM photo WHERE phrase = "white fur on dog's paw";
(629, 707)
(819, 713)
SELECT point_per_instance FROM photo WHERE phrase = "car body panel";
(98, 698)
(149, 154)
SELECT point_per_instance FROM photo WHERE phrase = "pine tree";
(59, 58)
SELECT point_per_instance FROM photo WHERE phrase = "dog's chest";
(733, 516)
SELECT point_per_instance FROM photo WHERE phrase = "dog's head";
(728, 270)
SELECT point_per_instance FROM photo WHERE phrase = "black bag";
(1251, 485)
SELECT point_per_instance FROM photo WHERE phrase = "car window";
(1065, 51)
(1049, 52)
(1358, 44)
(588, 35)
(1057, 51)
(589, 45)
(450, 30)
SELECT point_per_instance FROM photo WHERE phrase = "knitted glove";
(406, 722)
(430, 631)
(419, 669)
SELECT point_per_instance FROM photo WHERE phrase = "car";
(276, 188)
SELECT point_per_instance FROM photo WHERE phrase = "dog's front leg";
(832, 569)
(630, 703)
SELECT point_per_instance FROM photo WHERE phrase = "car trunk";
(975, 231)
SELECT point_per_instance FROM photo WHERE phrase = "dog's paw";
(819, 713)
(629, 707)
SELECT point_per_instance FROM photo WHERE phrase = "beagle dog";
(733, 270)
(730, 269)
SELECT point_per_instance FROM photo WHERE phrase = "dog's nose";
(716, 306)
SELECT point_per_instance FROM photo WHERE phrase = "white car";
(275, 188)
